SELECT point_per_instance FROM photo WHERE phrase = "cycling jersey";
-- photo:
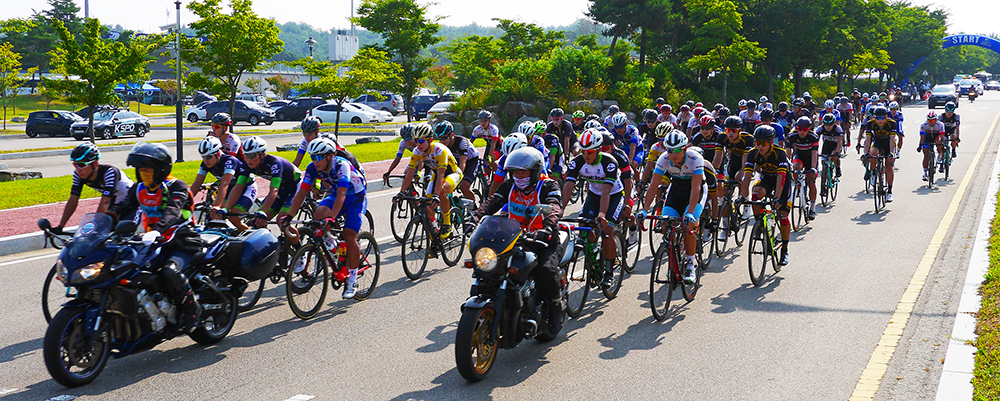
(109, 181)
(680, 177)
(603, 171)
(554, 145)
(694, 164)
(929, 133)
(823, 112)
(648, 136)
(655, 151)
(708, 143)
(233, 146)
(230, 165)
(562, 131)
(437, 156)
(740, 147)
(684, 117)
(403, 147)
(669, 118)
(750, 120)
(501, 174)
(460, 146)
(887, 130)
(304, 145)
(627, 138)
(950, 122)
(279, 171)
(537, 142)
(829, 138)
(802, 145)
(772, 163)
(342, 174)
(784, 120)
(898, 118)
(491, 133)
(623, 164)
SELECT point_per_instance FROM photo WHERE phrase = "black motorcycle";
(122, 306)
(505, 307)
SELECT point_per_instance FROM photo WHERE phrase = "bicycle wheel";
(634, 242)
(251, 295)
(617, 269)
(931, 169)
(704, 248)
(741, 224)
(577, 276)
(661, 284)
(368, 268)
(803, 206)
(688, 291)
(757, 260)
(368, 223)
(721, 244)
(454, 246)
(399, 218)
(773, 235)
(795, 213)
(53, 295)
(574, 197)
(306, 288)
(879, 189)
(947, 165)
(824, 184)
(416, 242)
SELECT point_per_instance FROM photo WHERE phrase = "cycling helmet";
(840, 94)
(763, 133)
(540, 127)
(443, 129)
(880, 111)
(422, 131)
(513, 142)
(950, 106)
(88, 152)
(798, 102)
(556, 113)
(675, 140)
(527, 129)
(253, 145)
(743, 103)
(803, 122)
(485, 115)
(874, 97)
(807, 96)
(699, 104)
(310, 124)
(152, 155)
(767, 114)
(578, 114)
(666, 108)
(685, 108)
(763, 99)
(608, 140)
(690, 104)
(222, 119)
(932, 116)
(591, 124)
(844, 99)
(733, 122)
(724, 112)
(662, 129)
(406, 132)
(865, 95)
(321, 146)
(698, 111)
(718, 106)
(660, 100)
(593, 117)
(893, 105)
(619, 120)
(751, 104)
(526, 159)
(882, 95)
(829, 104)
(591, 139)
(209, 146)
(829, 119)
(649, 115)
(706, 121)
(783, 106)
(613, 109)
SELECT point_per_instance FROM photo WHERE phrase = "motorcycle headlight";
(486, 259)
(87, 273)
(61, 272)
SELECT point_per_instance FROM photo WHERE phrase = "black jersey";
(109, 181)
(802, 145)
(771, 163)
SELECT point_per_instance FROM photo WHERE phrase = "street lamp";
(179, 102)
(311, 42)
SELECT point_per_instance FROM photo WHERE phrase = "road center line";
(34, 258)
(878, 363)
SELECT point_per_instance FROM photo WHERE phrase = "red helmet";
(706, 120)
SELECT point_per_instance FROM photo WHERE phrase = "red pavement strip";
(24, 220)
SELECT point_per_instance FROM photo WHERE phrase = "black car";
(200, 96)
(110, 124)
(244, 111)
(298, 109)
(50, 122)
(86, 111)
(942, 94)
(274, 105)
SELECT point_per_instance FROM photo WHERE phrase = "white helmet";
(592, 124)
(526, 128)
(321, 146)
(619, 119)
(743, 103)
(253, 145)
(514, 141)
(591, 139)
(675, 139)
(763, 99)
(828, 103)
(209, 146)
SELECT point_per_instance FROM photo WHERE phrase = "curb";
(956, 375)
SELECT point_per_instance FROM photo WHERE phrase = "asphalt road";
(806, 333)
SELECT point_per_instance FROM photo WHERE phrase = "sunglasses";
(880, 118)
(557, 118)
(252, 156)
(620, 126)
(732, 130)
(706, 127)
(650, 121)
(589, 152)
(317, 158)
(802, 129)
(422, 140)
(206, 158)
(676, 151)
(81, 165)
(762, 143)
(218, 126)
(828, 124)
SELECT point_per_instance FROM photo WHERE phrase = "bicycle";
(800, 201)
(422, 239)
(663, 281)
(944, 165)
(316, 258)
(590, 275)
(764, 242)
(828, 181)
(53, 296)
(736, 225)
(879, 187)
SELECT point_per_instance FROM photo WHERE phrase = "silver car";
(110, 124)
(390, 102)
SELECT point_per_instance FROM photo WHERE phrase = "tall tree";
(858, 39)
(474, 60)
(10, 76)
(522, 40)
(234, 43)
(406, 30)
(718, 44)
(281, 85)
(440, 78)
(619, 15)
(916, 34)
(92, 66)
(35, 42)
(791, 31)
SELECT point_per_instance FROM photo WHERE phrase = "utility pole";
(179, 102)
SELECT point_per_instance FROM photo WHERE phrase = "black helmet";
(152, 155)
(528, 159)
(764, 132)
(783, 106)
(406, 132)
(725, 112)
(883, 112)
(649, 115)
(798, 102)
(751, 104)
(806, 96)
(593, 117)
(443, 129)
(803, 122)
(950, 106)
(309, 124)
(733, 122)
(690, 104)
(718, 106)
(766, 114)
(556, 113)
(660, 100)
(85, 153)
(222, 119)
(829, 118)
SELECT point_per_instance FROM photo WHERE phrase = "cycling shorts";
(592, 205)
(769, 183)
(679, 195)
(246, 201)
(451, 179)
(882, 144)
(734, 167)
(828, 148)
(807, 166)
(471, 167)
(353, 209)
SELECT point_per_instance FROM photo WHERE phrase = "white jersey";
(694, 164)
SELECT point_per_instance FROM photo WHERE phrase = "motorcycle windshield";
(94, 228)
(497, 233)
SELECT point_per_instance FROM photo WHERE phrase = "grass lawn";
(986, 375)
(25, 104)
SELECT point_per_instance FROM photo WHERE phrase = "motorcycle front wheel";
(217, 318)
(71, 356)
(475, 348)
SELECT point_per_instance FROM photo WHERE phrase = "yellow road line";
(871, 377)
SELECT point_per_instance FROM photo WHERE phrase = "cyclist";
(310, 130)
(280, 172)
(750, 116)
(896, 115)
(512, 142)
(646, 129)
(743, 105)
(951, 122)
(528, 187)
(221, 123)
(406, 143)
(626, 173)
(798, 110)
(829, 107)
(809, 105)
(578, 121)
(766, 118)
(562, 129)
(931, 133)
(805, 146)
(687, 192)
(612, 110)
(347, 198)
(535, 132)
(489, 132)
(737, 144)
(694, 122)
(466, 154)
(223, 167)
(684, 116)
(106, 179)
(855, 101)
(666, 115)
(765, 104)
(783, 116)
(557, 158)
(627, 136)
(445, 172)
(833, 137)
(879, 140)
(772, 162)
(721, 116)
(605, 201)
(846, 110)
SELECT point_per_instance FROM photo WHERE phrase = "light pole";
(179, 102)
(311, 42)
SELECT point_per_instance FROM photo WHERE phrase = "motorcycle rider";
(527, 187)
(108, 180)
(164, 202)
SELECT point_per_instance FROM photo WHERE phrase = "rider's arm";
(272, 194)
(223, 189)
(695, 196)
(651, 192)
(605, 200)
(69, 210)
(172, 208)
(105, 203)
(495, 202)
(439, 180)
(241, 184)
(339, 202)
(550, 195)
(461, 162)
(198, 180)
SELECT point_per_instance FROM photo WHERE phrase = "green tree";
(522, 40)
(36, 39)
(10, 77)
(367, 69)
(406, 30)
(718, 43)
(620, 16)
(916, 33)
(858, 38)
(253, 83)
(439, 77)
(92, 66)
(281, 85)
(234, 43)
(791, 31)
(474, 60)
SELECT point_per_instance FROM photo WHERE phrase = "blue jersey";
(342, 175)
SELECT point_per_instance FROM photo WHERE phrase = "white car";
(439, 107)
(383, 116)
(196, 113)
(327, 113)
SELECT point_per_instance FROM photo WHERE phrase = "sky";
(968, 16)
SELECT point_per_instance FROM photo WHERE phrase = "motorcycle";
(504, 307)
(973, 93)
(122, 307)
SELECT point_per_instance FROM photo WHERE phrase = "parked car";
(196, 113)
(243, 111)
(439, 107)
(993, 85)
(382, 115)
(261, 100)
(274, 105)
(50, 122)
(110, 124)
(86, 112)
(942, 94)
(390, 102)
(200, 96)
(298, 108)
(327, 113)
(420, 105)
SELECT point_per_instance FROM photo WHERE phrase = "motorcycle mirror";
(543, 209)
(44, 224)
(126, 227)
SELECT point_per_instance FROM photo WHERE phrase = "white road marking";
(7, 390)
(34, 258)
(63, 397)
(384, 239)
(301, 397)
